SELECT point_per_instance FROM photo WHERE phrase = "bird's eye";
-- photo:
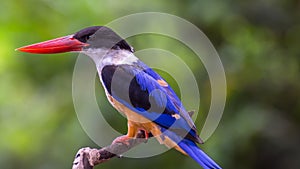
(87, 37)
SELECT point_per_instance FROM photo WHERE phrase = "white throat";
(103, 57)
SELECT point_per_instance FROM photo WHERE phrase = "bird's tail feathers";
(197, 154)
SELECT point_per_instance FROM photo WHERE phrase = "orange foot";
(145, 133)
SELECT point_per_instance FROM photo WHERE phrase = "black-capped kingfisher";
(134, 89)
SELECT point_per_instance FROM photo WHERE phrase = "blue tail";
(197, 154)
(192, 150)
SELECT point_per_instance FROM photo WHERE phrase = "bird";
(134, 89)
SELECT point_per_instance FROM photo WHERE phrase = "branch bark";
(87, 158)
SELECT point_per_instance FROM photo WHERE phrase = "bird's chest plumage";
(136, 120)
(139, 120)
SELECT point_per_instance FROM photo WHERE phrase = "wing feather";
(136, 86)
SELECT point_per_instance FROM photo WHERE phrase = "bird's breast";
(139, 122)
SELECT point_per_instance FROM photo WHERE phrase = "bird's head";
(95, 37)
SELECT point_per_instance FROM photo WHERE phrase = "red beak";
(58, 45)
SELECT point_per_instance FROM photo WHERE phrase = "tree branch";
(87, 158)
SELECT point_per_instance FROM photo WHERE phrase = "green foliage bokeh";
(258, 43)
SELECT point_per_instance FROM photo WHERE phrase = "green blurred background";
(258, 42)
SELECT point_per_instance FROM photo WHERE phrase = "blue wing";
(137, 87)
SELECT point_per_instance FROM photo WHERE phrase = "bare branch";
(87, 158)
